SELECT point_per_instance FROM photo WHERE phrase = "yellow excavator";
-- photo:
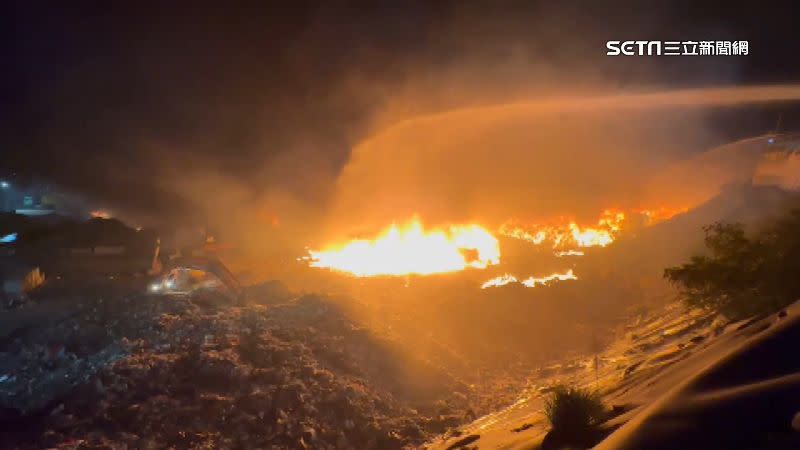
(190, 263)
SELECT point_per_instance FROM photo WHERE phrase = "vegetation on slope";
(572, 408)
(574, 415)
(743, 275)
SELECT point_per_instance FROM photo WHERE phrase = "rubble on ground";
(143, 371)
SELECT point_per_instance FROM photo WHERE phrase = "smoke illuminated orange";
(410, 249)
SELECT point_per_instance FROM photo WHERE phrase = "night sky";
(106, 99)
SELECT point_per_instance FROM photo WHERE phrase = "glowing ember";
(411, 249)
(544, 281)
(502, 280)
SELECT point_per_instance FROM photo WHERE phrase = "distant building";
(34, 196)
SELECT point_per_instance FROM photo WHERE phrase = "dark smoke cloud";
(211, 113)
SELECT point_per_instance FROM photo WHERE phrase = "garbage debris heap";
(142, 371)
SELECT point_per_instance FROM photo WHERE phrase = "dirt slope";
(675, 380)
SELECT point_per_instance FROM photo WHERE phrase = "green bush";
(743, 275)
(574, 410)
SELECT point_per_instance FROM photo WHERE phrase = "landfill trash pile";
(144, 371)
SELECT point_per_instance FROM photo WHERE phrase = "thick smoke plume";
(555, 156)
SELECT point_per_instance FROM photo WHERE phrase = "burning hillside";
(411, 249)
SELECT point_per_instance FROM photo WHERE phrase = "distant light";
(4, 184)
(100, 214)
(155, 287)
(771, 140)
(9, 238)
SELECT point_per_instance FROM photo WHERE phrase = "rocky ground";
(140, 371)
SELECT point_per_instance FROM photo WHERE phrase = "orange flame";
(569, 253)
(569, 235)
(544, 281)
(530, 282)
(411, 249)
(566, 236)
(502, 280)
(654, 216)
